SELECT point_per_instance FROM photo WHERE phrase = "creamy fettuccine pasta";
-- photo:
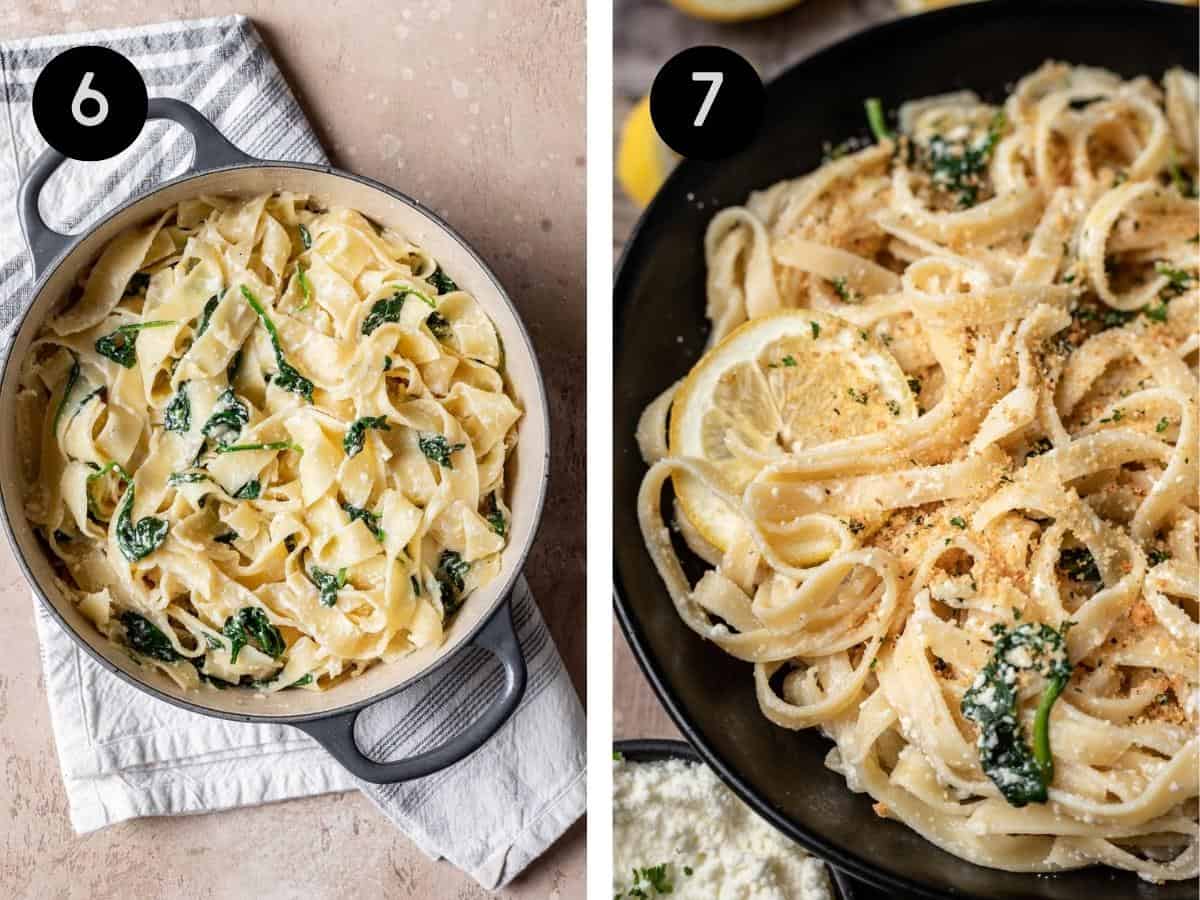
(266, 443)
(941, 460)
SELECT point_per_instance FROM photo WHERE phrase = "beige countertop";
(504, 82)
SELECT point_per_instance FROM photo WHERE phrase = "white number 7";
(715, 79)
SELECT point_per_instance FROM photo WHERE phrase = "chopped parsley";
(1163, 424)
(844, 291)
(1078, 564)
(1156, 556)
(816, 330)
(305, 237)
(1117, 415)
(958, 522)
(1177, 279)
(1179, 178)
(120, 345)
(652, 878)
(958, 168)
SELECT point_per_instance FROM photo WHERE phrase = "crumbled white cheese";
(679, 813)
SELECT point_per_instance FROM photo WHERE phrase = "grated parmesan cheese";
(714, 846)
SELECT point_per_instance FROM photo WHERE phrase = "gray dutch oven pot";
(485, 621)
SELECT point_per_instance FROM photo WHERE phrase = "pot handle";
(212, 152)
(336, 733)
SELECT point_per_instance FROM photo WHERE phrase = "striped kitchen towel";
(124, 754)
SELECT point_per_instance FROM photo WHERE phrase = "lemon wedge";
(643, 160)
(777, 385)
(733, 10)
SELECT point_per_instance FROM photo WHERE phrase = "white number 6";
(85, 92)
(715, 79)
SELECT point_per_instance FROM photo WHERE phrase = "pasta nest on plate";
(941, 462)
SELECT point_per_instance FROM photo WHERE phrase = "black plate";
(660, 332)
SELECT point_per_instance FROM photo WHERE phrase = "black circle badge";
(89, 103)
(707, 103)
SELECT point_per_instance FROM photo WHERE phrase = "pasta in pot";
(941, 459)
(266, 443)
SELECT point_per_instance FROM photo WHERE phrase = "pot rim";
(503, 595)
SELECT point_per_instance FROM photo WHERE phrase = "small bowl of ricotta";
(679, 831)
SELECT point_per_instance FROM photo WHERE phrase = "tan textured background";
(503, 160)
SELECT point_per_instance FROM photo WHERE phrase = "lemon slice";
(774, 386)
(643, 160)
(733, 10)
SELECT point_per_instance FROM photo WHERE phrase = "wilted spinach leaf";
(287, 378)
(138, 540)
(228, 416)
(451, 574)
(386, 310)
(495, 516)
(177, 478)
(442, 282)
(139, 282)
(206, 316)
(356, 434)
(252, 625)
(120, 345)
(439, 326)
(147, 638)
(72, 379)
(437, 448)
(178, 414)
(328, 584)
(1021, 774)
(249, 491)
(370, 519)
